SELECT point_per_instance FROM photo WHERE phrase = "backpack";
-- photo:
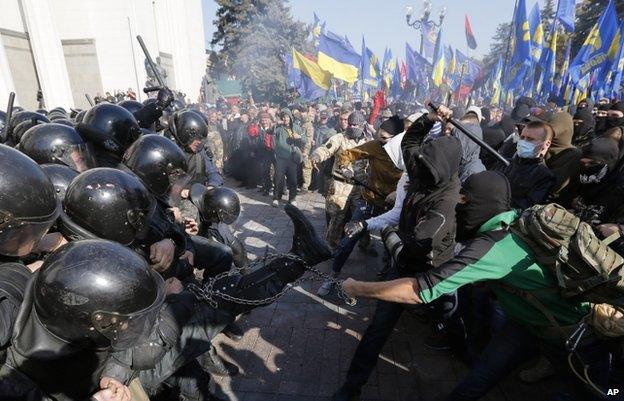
(585, 266)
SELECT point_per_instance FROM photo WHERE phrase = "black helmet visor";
(79, 157)
(124, 330)
(18, 236)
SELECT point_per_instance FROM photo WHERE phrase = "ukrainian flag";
(339, 58)
(594, 53)
(439, 62)
(314, 81)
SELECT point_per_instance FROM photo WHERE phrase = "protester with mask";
(562, 157)
(336, 201)
(426, 230)
(492, 252)
(583, 127)
(289, 142)
(470, 162)
(601, 188)
(383, 176)
(529, 178)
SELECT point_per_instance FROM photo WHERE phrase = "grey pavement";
(299, 347)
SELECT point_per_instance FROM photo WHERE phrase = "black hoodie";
(427, 222)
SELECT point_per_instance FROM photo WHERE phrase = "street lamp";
(423, 20)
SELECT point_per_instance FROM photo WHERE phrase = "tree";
(548, 13)
(254, 35)
(498, 46)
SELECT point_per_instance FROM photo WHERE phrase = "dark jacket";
(427, 221)
(530, 181)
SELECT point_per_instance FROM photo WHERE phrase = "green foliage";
(587, 14)
(498, 46)
(253, 36)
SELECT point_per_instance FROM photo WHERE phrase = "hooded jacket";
(284, 143)
(562, 158)
(427, 221)
(470, 150)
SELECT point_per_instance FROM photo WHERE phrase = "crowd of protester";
(114, 228)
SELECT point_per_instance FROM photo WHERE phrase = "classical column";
(48, 53)
(6, 79)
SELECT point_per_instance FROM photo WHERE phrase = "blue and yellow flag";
(594, 53)
(618, 69)
(537, 33)
(439, 62)
(430, 36)
(564, 73)
(370, 66)
(338, 57)
(522, 36)
(604, 77)
(396, 90)
(566, 10)
(389, 64)
(548, 63)
(497, 87)
(314, 81)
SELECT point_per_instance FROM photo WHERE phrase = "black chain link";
(208, 293)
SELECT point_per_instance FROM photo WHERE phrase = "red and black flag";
(470, 38)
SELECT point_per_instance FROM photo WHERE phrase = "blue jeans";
(514, 345)
(363, 210)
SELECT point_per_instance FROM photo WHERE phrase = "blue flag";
(537, 33)
(293, 75)
(618, 69)
(566, 10)
(417, 65)
(548, 64)
(369, 69)
(430, 36)
(396, 90)
(594, 52)
(522, 36)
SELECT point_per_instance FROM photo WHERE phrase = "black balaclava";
(601, 122)
(612, 122)
(604, 152)
(583, 129)
(356, 118)
(488, 195)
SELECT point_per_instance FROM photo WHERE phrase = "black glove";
(164, 98)
(354, 228)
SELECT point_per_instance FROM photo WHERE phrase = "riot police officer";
(57, 143)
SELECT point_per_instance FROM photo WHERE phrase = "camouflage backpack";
(585, 266)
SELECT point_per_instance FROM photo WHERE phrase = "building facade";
(69, 48)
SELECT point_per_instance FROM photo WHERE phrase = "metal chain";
(208, 293)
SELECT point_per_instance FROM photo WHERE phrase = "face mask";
(593, 174)
(355, 132)
(601, 124)
(526, 149)
(612, 122)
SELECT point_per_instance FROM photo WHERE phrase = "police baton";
(472, 136)
(9, 114)
(91, 102)
(355, 181)
(160, 80)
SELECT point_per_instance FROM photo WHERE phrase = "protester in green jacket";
(491, 252)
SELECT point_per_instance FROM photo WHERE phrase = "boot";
(213, 364)
(306, 243)
(233, 332)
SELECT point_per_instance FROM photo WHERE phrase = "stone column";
(6, 79)
(48, 53)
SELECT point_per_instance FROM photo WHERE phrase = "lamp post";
(423, 20)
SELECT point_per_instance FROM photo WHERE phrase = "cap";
(476, 110)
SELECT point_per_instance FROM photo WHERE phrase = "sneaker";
(233, 332)
(325, 289)
(437, 341)
(541, 370)
(275, 203)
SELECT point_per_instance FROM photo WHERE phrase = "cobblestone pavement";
(299, 348)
